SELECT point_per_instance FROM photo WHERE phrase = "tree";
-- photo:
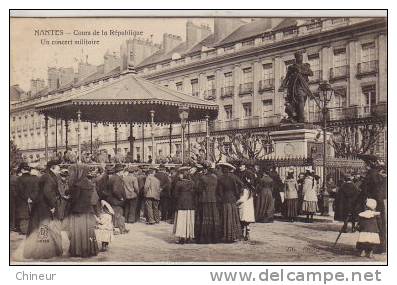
(96, 144)
(15, 155)
(352, 141)
(245, 146)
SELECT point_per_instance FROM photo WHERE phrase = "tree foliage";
(358, 140)
(15, 155)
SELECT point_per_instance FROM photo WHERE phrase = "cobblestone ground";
(276, 242)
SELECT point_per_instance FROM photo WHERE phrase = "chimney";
(170, 42)
(225, 26)
(196, 33)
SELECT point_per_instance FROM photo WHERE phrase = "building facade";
(241, 66)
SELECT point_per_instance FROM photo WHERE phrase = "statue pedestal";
(297, 140)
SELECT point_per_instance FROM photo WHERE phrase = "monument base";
(297, 140)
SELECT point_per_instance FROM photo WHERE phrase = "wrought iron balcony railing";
(227, 91)
(367, 68)
(246, 88)
(210, 94)
(354, 112)
(337, 73)
(266, 85)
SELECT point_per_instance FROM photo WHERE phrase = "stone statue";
(297, 83)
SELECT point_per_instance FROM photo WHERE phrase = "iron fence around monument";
(336, 167)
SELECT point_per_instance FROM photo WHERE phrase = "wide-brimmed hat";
(371, 204)
(132, 168)
(53, 162)
(184, 168)
(228, 165)
(118, 167)
(290, 170)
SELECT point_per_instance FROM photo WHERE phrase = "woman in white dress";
(246, 205)
(309, 206)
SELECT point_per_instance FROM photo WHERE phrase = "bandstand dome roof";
(125, 98)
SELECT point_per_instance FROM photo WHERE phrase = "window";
(268, 37)
(210, 82)
(314, 60)
(229, 112)
(131, 55)
(290, 32)
(228, 80)
(247, 110)
(368, 52)
(267, 107)
(340, 57)
(194, 83)
(247, 75)
(248, 43)
(268, 71)
(369, 92)
(13, 119)
(179, 86)
(340, 98)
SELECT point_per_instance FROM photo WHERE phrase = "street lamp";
(183, 115)
(324, 96)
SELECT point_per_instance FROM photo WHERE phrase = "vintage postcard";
(215, 138)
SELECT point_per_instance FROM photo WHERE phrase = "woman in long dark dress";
(264, 202)
(208, 223)
(228, 191)
(82, 219)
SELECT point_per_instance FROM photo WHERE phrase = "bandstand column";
(115, 138)
(66, 134)
(56, 136)
(152, 135)
(46, 137)
(79, 135)
(170, 139)
(207, 137)
(143, 142)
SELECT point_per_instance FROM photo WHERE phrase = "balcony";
(367, 68)
(266, 85)
(210, 94)
(317, 77)
(338, 73)
(250, 122)
(246, 89)
(354, 112)
(227, 91)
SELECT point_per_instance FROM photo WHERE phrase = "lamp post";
(183, 115)
(325, 93)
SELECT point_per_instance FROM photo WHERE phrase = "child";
(104, 228)
(246, 207)
(369, 230)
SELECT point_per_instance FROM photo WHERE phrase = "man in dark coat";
(44, 204)
(27, 187)
(374, 186)
(346, 203)
(165, 194)
(278, 187)
(116, 197)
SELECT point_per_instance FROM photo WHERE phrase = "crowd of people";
(205, 202)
